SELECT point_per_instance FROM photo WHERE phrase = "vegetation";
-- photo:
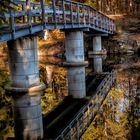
(113, 120)
(55, 79)
(6, 119)
(126, 7)
(55, 93)
(116, 118)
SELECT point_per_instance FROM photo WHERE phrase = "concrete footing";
(25, 88)
(74, 43)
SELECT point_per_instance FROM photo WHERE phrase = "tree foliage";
(127, 7)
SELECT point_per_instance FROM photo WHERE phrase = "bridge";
(61, 14)
(20, 32)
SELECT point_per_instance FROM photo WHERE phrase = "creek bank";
(127, 38)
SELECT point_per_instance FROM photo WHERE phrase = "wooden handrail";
(65, 14)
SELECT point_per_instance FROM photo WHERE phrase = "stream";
(119, 116)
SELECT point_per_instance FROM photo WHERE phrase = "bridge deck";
(59, 14)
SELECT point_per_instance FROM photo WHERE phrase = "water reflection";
(76, 82)
(116, 119)
(97, 62)
(119, 117)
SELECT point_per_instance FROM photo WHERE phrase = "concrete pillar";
(97, 64)
(97, 46)
(76, 82)
(28, 117)
(25, 88)
(23, 61)
(74, 44)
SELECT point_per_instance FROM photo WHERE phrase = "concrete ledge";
(14, 91)
(103, 56)
(74, 64)
(102, 52)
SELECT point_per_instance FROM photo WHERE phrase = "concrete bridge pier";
(97, 64)
(76, 82)
(74, 44)
(97, 46)
(25, 88)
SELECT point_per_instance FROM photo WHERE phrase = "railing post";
(109, 26)
(12, 23)
(93, 17)
(78, 15)
(43, 14)
(97, 19)
(105, 23)
(34, 18)
(64, 14)
(88, 120)
(83, 11)
(71, 13)
(29, 18)
(82, 122)
(23, 5)
(89, 15)
(77, 127)
(54, 13)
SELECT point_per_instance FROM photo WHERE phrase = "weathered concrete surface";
(97, 46)
(25, 88)
(76, 82)
(23, 61)
(28, 117)
(98, 64)
(74, 44)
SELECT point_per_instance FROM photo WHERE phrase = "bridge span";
(20, 31)
(60, 14)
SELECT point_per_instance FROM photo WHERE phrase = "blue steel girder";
(60, 14)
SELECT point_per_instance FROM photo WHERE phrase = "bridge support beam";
(97, 46)
(25, 88)
(74, 44)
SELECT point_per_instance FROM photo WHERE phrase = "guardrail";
(59, 14)
(85, 116)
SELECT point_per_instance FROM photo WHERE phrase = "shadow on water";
(122, 106)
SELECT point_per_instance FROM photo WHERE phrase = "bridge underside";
(37, 29)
